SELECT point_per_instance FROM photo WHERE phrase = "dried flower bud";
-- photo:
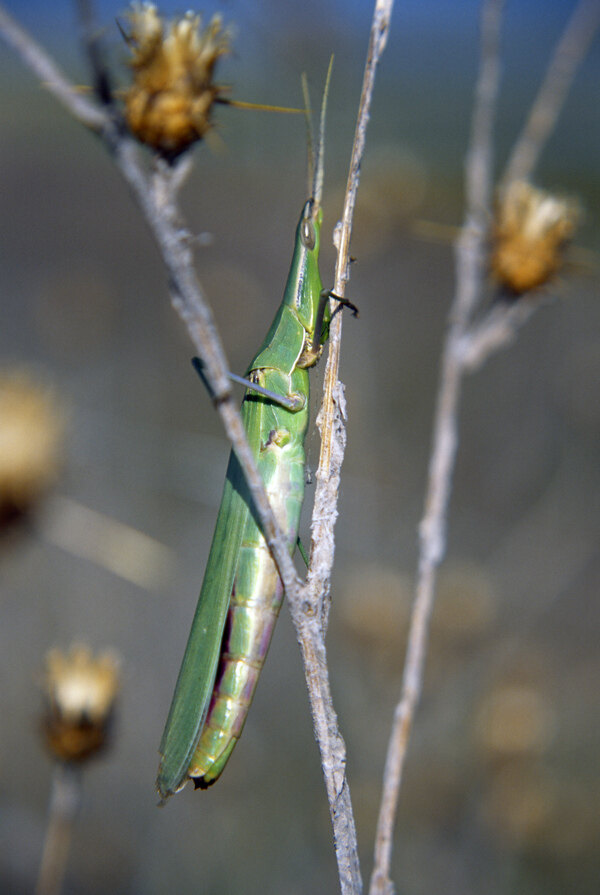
(531, 229)
(31, 434)
(80, 696)
(169, 103)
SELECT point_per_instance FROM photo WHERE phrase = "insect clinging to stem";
(241, 593)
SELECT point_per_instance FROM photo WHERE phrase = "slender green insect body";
(277, 437)
(242, 593)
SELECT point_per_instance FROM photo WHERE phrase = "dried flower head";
(531, 230)
(80, 696)
(169, 103)
(31, 436)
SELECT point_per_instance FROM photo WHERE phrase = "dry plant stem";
(162, 215)
(570, 52)
(497, 330)
(467, 347)
(500, 325)
(156, 198)
(470, 271)
(49, 74)
(310, 607)
(331, 413)
(65, 797)
(174, 243)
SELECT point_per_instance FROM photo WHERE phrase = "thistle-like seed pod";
(169, 103)
(31, 437)
(531, 229)
(80, 693)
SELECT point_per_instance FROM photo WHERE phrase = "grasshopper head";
(308, 237)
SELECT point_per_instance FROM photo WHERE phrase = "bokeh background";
(502, 789)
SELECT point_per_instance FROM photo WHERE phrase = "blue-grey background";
(84, 304)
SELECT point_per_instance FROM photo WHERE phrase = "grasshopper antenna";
(310, 136)
(319, 164)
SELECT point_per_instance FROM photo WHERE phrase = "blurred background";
(501, 787)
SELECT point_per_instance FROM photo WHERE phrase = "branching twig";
(470, 260)
(187, 296)
(570, 52)
(467, 346)
(498, 329)
(155, 195)
(50, 74)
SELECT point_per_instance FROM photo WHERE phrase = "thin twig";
(331, 412)
(50, 74)
(570, 51)
(186, 293)
(470, 268)
(189, 302)
(498, 329)
(467, 346)
(163, 217)
(310, 609)
(155, 196)
(65, 797)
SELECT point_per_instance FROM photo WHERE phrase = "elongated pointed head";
(308, 234)
(308, 286)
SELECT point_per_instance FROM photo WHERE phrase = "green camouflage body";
(242, 593)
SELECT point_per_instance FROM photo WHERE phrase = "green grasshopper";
(242, 593)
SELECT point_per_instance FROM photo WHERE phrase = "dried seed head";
(80, 696)
(31, 437)
(169, 103)
(531, 229)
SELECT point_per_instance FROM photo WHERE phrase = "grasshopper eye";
(308, 234)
